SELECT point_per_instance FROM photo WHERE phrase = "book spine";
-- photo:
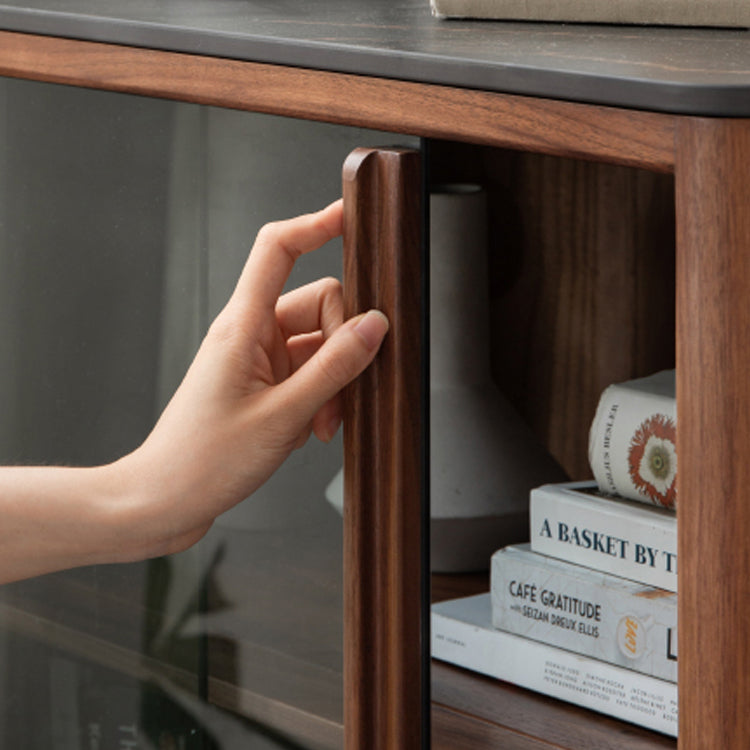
(632, 445)
(591, 613)
(606, 688)
(610, 535)
(673, 12)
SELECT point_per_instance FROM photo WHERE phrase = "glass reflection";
(124, 222)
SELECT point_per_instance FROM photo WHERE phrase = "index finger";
(276, 249)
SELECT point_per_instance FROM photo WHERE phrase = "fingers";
(276, 249)
(336, 363)
(318, 306)
(301, 348)
(327, 420)
(325, 353)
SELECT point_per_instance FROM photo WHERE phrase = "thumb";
(339, 360)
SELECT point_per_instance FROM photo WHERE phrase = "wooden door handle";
(385, 687)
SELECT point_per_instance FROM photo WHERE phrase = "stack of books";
(587, 611)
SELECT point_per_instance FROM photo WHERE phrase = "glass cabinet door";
(124, 223)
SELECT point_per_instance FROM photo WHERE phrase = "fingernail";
(372, 328)
(333, 428)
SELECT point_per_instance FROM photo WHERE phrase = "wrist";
(145, 513)
(118, 510)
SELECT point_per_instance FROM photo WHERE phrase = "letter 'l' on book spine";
(573, 522)
(586, 611)
(632, 440)
(462, 634)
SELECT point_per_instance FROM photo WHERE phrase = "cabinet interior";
(582, 264)
(582, 268)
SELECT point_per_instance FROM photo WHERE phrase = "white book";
(573, 522)
(672, 12)
(632, 440)
(462, 634)
(586, 611)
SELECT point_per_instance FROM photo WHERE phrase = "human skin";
(268, 374)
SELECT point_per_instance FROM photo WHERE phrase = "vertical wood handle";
(384, 687)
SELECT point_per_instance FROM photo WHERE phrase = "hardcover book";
(632, 440)
(583, 610)
(729, 13)
(574, 522)
(462, 634)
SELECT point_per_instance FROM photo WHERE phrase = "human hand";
(268, 373)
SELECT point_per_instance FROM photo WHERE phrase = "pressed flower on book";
(652, 460)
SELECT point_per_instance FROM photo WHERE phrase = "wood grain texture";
(713, 404)
(582, 291)
(453, 585)
(543, 125)
(583, 261)
(384, 692)
(455, 731)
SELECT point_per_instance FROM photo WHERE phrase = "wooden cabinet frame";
(709, 158)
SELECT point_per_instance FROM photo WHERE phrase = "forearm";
(53, 518)
(268, 373)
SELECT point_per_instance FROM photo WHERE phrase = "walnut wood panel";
(582, 282)
(544, 125)
(384, 690)
(713, 404)
(455, 731)
(454, 585)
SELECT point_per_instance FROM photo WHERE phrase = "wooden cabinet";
(599, 128)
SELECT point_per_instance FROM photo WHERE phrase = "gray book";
(586, 611)
(727, 13)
